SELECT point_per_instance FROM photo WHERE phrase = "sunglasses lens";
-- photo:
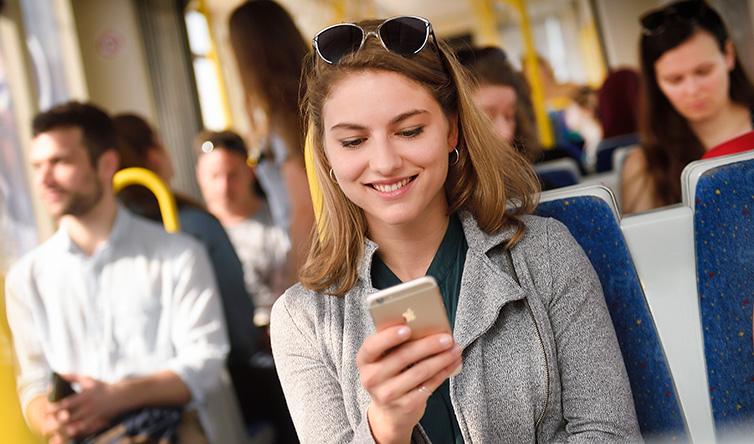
(404, 35)
(335, 42)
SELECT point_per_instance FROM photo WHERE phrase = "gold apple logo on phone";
(409, 315)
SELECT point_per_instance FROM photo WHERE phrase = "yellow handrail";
(531, 68)
(14, 427)
(165, 198)
(314, 189)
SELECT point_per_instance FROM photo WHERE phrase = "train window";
(43, 43)
(209, 83)
(17, 223)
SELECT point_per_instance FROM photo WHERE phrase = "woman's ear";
(730, 55)
(452, 132)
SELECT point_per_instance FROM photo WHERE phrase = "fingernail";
(404, 332)
(446, 339)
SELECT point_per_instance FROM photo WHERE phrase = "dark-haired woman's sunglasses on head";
(656, 22)
(404, 35)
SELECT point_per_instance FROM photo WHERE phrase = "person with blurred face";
(228, 186)
(503, 95)
(112, 302)
(697, 96)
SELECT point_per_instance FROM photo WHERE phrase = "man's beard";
(80, 204)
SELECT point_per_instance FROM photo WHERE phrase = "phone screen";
(60, 388)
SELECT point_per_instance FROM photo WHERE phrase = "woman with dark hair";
(696, 96)
(269, 52)
(503, 94)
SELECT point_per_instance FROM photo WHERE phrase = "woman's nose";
(385, 159)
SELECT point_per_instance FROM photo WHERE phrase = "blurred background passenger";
(618, 103)
(250, 366)
(503, 94)
(269, 52)
(114, 304)
(228, 186)
(581, 118)
(697, 96)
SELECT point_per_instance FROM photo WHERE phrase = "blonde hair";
(488, 175)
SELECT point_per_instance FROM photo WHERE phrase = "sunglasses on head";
(404, 35)
(656, 22)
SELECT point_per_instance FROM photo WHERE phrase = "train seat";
(662, 246)
(558, 173)
(720, 192)
(591, 215)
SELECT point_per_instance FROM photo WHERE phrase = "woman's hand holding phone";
(400, 373)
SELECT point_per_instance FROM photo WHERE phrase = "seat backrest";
(661, 243)
(607, 147)
(721, 193)
(558, 173)
(591, 215)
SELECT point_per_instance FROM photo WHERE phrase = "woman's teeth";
(392, 187)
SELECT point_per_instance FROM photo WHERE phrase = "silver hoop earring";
(332, 176)
(454, 159)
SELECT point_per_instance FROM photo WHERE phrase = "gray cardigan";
(540, 359)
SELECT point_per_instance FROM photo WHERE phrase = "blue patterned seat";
(722, 195)
(558, 173)
(590, 215)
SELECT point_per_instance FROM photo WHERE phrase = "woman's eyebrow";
(403, 116)
(347, 125)
(397, 119)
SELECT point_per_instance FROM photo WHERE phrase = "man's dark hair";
(96, 126)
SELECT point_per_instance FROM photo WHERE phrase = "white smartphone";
(416, 303)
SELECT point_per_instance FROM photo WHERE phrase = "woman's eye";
(704, 71)
(674, 80)
(412, 132)
(352, 143)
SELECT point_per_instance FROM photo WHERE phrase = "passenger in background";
(416, 183)
(618, 103)
(697, 96)
(503, 94)
(118, 306)
(269, 52)
(580, 117)
(618, 115)
(251, 369)
(227, 183)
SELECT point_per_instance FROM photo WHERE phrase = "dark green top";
(439, 420)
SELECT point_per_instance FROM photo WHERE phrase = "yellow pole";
(486, 33)
(339, 10)
(314, 188)
(532, 73)
(214, 57)
(165, 198)
(14, 427)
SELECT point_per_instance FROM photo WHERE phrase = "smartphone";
(60, 388)
(416, 303)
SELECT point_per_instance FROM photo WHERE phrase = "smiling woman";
(416, 183)
(696, 96)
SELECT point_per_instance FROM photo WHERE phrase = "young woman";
(269, 51)
(415, 182)
(696, 96)
(502, 93)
